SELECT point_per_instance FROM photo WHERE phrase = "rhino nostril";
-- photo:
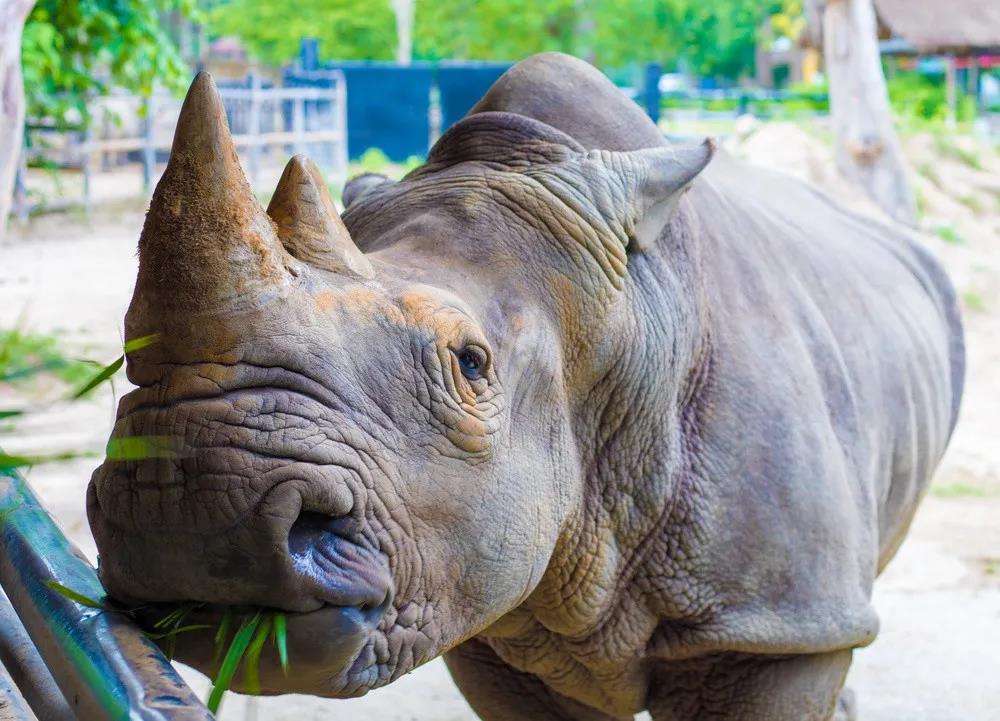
(340, 566)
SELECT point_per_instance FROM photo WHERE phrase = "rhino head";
(372, 423)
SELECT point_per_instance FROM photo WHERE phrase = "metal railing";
(60, 660)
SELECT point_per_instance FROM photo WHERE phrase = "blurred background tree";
(716, 38)
(346, 29)
(72, 48)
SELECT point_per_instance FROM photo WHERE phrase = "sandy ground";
(938, 655)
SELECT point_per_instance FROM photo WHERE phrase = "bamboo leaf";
(140, 343)
(109, 370)
(73, 595)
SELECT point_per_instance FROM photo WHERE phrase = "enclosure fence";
(267, 124)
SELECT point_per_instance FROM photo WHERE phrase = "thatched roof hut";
(930, 27)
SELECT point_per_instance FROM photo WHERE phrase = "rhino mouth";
(333, 651)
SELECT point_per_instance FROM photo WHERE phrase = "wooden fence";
(268, 125)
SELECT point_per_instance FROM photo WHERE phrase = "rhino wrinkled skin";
(613, 424)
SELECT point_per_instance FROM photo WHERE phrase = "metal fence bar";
(27, 670)
(104, 665)
(13, 707)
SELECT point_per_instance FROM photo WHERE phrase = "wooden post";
(868, 150)
(973, 86)
(298, 124)
(148, 146)
(951, 90)
(13, 13)
(88, 154)
(254, 129)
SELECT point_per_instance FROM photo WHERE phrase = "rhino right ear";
(653, 181)
(361, 185)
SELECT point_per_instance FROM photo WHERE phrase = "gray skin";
(706, 407)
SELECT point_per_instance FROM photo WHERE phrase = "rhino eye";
(472, 362)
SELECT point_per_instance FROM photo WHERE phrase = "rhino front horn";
(206, 239)
(308, 223)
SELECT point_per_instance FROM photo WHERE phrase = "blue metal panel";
(651, 92)
(462, 85)
(387, 106)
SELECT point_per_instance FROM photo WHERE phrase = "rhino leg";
(748, 688)
(498, 692)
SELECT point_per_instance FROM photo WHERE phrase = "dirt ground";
(938, 655)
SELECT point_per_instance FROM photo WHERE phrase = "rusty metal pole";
(104, 665)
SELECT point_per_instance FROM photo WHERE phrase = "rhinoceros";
(613, 424)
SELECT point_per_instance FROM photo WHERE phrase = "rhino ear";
(360, 186)
(653, 180)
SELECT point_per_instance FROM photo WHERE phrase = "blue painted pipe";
(101, 661)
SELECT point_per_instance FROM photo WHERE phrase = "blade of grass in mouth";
(281, 640)
(234, 655)
(252, 666)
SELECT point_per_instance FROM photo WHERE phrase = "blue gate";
(462, 85)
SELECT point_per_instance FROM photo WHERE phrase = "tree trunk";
(13, 13)
(867, 146)
(404, 30)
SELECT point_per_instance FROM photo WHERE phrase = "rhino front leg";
(752, 688)
(498, 692)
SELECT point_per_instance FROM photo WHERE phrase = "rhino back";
(835, 380)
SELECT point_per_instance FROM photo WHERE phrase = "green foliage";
(923, 98)
(26, 356)
(947, 148)
(346, 29)
(72, 48)
(714, 37)
(974, 301)
(949, 234)
(720, 36)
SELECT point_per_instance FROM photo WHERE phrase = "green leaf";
(281, 640)
(137, 448)
(10, 414)
(252, 665)
(140, 343)
(106, 373)
(234, 655)
(11, 462)
(73, 595)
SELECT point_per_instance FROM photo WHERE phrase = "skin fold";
(612, 424)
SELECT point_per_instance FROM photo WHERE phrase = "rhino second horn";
(308, 223)
(206, 239)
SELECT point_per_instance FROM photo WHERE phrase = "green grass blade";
(177, 630)
(281, 640)
(109, 370)
(232, 660)
(74, 596)
(221, 636)
(252, 665)
(10, 414)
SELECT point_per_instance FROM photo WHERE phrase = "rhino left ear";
(653, 180)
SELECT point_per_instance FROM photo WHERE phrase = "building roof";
(931, 26)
